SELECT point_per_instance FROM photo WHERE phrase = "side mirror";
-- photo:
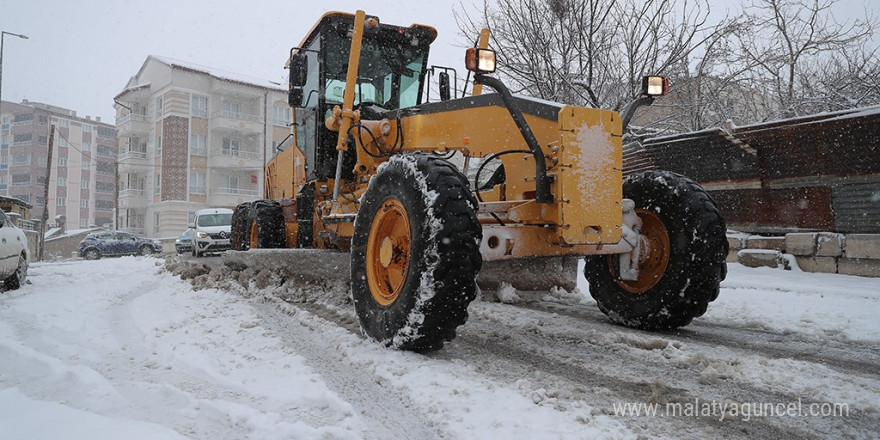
(191, 226)
(299, 71)
(444, 86)
(295, 97)
(299, 74)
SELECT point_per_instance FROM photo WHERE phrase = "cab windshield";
(391, 67)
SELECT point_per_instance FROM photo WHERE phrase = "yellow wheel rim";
(654, 257)
(388, 252)
(254, 238)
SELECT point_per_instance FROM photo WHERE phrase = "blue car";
(183, 244)
(116, 243)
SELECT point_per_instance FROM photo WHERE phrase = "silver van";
(211, 229)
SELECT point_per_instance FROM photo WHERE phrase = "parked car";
(183, 244)
(116, 243)
(212, 228)
(14, 254)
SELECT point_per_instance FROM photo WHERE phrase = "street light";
(3, 35)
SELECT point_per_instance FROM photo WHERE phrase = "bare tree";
(589, 52)
(788, 39)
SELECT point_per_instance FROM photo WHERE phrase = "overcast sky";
(80, 54)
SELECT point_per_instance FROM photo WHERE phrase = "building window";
(159, 107)
(231, 147)
(22, 139)
(83, 222)
(197, 183)
(198, 145)
(106, 132)
(156, 222)
(23, 119)
(3, 184)
(43, 140)
(157, 184)
(62, 181)
(21, 179)
(105, 187)
(63, 123)
(229, 184)
(86, 147)
(87, 128)
(158, 146)
(60, 201)
(61, 141)
(86, 165)
(83, 203)
(62, 162)
(199, 106)
(4, 162)
(281, 115)
(106, 168)
(106, 151)
(84, 184)
(21, 158)
(230, 109)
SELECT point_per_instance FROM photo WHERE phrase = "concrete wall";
(827, 252)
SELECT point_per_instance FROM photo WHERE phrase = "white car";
(14, 254)
(211, 229)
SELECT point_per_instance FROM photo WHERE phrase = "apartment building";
(193, 137)
(82, 181)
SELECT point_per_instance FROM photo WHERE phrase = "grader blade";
(324, 269)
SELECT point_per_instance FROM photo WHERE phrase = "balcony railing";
(131, 193)
(132, 155)
(236, 115)
(241, 154)
(131, 117)
(237, 191)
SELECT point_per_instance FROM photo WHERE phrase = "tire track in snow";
(579, 351)
(387, 413)
(845, 356)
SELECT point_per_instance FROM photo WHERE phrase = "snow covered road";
(92, 349)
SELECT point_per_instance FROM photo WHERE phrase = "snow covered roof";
(219, 73)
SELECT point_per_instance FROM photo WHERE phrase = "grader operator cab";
(377, 171)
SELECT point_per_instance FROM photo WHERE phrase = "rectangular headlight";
(480, 60)
(655, 85)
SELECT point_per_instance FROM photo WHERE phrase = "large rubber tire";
(266, 228)
(238, 232)
(415, 253)
(146, 250)
(19, 277)
(681, 274)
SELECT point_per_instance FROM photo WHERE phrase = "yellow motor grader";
(421, 193)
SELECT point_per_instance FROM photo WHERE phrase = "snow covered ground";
(120, 348)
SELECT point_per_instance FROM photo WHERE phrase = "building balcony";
(133, 198)
(134, 160)
(236, 121)
(231, 158)
(132, 124)
(232, 196)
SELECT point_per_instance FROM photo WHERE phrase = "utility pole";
(46, 192)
